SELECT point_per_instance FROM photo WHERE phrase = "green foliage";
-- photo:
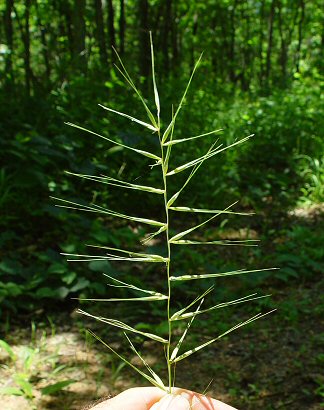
(281, 169)
(287, 129)
(56, 387)
(27, 366)
(301, 254)
(312, 171)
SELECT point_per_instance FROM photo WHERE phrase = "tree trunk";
(214, 44)
(165, 36)
(28, 73)
(232, 44)
(224, 63)
(9, 40)
(193, 39)
(285, 38)
(174, 37)
(100, 33)
(25, 38)
(79, 35)
(122, 28)
(111, 27)
(283, 45)
(45, 49)
(270, 40)
(300, 33)
(247, 67)
(144, 55)
(65, 53)
(66, 11)
(261, 38)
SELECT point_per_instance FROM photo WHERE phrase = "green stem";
(164, 172)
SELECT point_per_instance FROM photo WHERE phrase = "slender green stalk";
(164, 167)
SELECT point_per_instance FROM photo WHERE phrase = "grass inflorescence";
(165, 136)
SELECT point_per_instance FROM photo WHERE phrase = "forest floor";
(52, 363)
(274, 364)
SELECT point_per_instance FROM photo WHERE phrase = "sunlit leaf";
(56, 387)
(11, 391)
(7, 348)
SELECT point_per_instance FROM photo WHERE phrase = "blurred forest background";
(261, 73)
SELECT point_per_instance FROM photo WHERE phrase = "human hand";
(152, 398)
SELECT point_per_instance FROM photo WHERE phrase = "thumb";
(171, 402)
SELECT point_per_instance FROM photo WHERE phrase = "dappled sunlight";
(238, 377)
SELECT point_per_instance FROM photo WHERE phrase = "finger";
(207, 403)
(171, 402)
(137, 398)
(201, 402)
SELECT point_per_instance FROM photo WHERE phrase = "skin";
(152, 398)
